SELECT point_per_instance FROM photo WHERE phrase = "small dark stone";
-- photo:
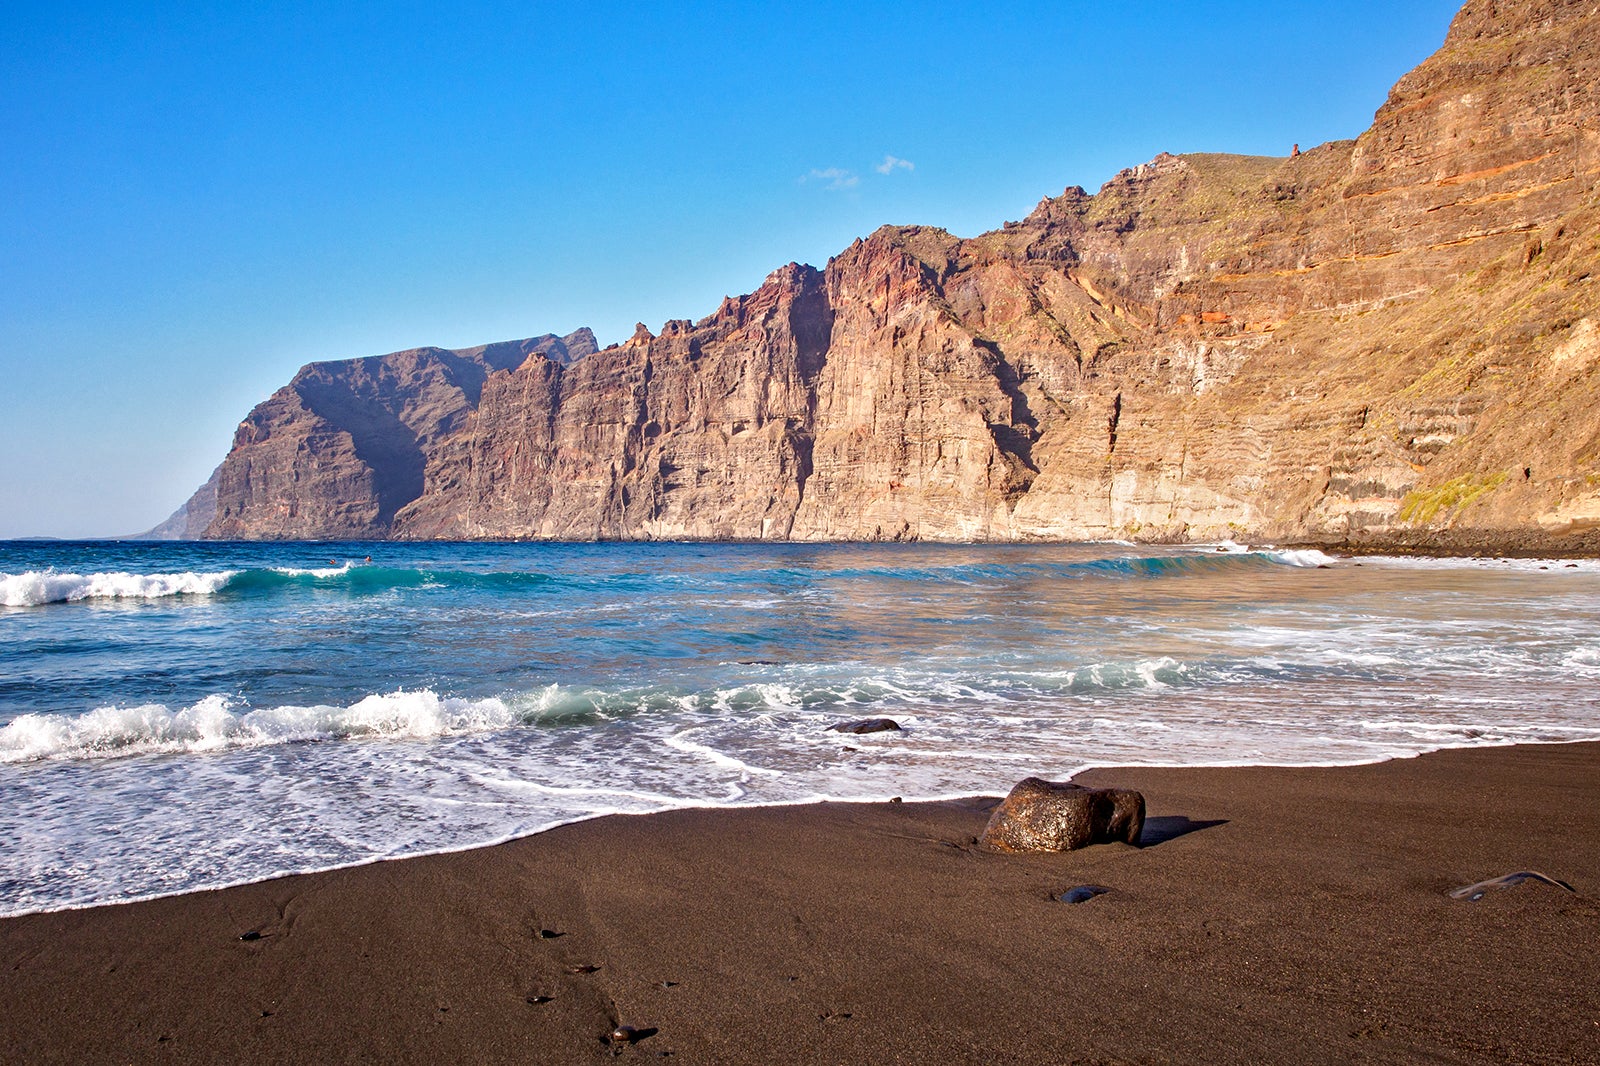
(549, 934)
(669, 984)
(867, 725)
(537, 1000)
(896, 799)
(1082, 893)
(251, 935)
(582, 969)
(627, 1034)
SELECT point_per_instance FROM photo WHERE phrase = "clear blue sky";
(194, 202)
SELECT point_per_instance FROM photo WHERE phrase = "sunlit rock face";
(1390, 342)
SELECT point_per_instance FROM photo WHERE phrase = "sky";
(196, 200)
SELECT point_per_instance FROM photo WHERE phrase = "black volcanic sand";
(1272, 916)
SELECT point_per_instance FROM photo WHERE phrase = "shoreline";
(1272, 913)
(1583, 544)
(956, 798)
(1001, 686)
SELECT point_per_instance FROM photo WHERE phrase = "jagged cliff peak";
(1481, 19)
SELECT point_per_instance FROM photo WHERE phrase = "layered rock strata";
(1386, 342)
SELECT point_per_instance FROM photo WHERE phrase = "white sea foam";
(1136, 674)
(1431, 562)
(779, 696)
(1147, 672)
(36, 587)
(214, 723)
(1303, 557)
(1584, 659)
(218, 722)
(681, 742)
(1450, 734)
(316, 571)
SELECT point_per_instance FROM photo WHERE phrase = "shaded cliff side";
(1392, 341)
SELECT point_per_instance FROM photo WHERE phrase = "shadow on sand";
(1161, 829)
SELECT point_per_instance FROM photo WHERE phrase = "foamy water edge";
(800, 802)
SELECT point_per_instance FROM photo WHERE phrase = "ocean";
(181, 716)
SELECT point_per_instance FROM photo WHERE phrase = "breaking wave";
(38, 587)
(218, 723)
(215, 723)
(1303, 557)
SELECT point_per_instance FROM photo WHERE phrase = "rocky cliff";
(1392, 341)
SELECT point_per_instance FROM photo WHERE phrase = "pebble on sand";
(1082, 893)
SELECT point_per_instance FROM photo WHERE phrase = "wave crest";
(214, 724)
(218, 722)
(1303, 557)
(36, 587)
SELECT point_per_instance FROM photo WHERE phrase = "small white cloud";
(892, 163)
(836, 177)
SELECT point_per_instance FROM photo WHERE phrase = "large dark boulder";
(1041, 815)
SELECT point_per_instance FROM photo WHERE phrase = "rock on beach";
(1040, 815)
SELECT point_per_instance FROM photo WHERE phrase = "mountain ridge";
(1383, 342)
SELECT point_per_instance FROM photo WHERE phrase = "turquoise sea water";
(181, 716)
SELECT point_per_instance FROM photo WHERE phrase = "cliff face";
(1390, 341)
(341, 448)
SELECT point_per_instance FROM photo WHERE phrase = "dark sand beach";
(1272, 915)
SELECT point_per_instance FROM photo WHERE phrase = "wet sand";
(1272, 915)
